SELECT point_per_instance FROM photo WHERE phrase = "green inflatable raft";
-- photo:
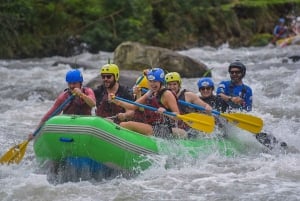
(105, 143)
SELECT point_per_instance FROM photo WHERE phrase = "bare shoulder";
(167, 94)
(190, 96)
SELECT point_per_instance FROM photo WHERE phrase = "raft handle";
(66, 139)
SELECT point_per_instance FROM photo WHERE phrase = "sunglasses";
(106, 76)
(205, 88)
(235, 72)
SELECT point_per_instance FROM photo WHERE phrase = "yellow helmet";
(142, 82)
(173, 76)
(111, 69)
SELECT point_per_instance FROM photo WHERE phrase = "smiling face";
(108, 80)
(154, 85)
(235, 75)
(173, 86)
(206, 91)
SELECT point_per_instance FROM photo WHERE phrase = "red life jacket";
(77, 105)
(141, 115)
(106, 108)
(152, 117)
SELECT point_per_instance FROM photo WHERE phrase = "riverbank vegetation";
(39, 28)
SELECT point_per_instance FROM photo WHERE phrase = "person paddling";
(110, 75)
(158, 124)
(206, 88)
(234, 92)
(239, 96)
(280, 31)
(140, 87)
(174, 83)
(81, 104)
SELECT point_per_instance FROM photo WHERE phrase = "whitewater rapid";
(28, 88)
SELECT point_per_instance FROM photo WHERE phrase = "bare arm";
(193, 98)
(126, 115)
(170, 102)
(128, 106)
(234, 99)
(225, 97)
(88, 97)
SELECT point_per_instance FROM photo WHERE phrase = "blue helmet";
(238, 64)
(74, 76)
(205, 82)
(281, 20)
(156, 74)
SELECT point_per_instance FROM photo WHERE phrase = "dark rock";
(295, 58)
(75, 65)
(135, 56)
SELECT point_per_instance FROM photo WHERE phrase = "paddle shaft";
(144, 106)
(16, 153)
(57, 111)
(195, 120)
(197, 106)
(261, 140)
(247, 122)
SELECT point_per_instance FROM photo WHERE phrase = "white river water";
(29, 86)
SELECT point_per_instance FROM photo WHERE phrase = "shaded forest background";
(42, 28)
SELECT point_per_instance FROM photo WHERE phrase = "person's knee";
(124, 124)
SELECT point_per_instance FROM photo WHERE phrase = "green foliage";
(265, 2)
(15, 17)
(261, 39)
(121, 20)
(38, 28)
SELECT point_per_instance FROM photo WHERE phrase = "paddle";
(245, 121)
(197, 121)
(16, 153)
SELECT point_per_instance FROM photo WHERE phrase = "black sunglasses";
(235, 72)
(205, 88)
(106, 76)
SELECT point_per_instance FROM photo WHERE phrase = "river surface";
(29, 87)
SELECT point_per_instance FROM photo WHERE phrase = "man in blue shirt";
(234, 91)
(239, 96)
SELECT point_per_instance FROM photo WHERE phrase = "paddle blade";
(14, 154)
(244, 121)
(199, 121)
